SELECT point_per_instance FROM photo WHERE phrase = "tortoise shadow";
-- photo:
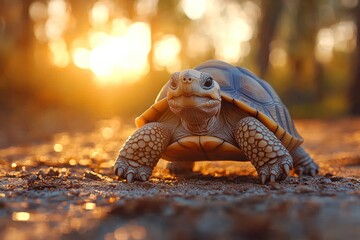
(229, 178)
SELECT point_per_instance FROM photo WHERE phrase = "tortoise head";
(194, 96)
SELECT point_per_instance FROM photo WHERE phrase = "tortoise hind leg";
(303, 163)
(180, 168)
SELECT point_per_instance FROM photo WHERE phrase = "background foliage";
(64, 63)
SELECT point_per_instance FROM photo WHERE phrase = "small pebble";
(304, 189)
(325, 181)
(275, 186)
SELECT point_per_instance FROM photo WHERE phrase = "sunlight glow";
(166, 53)
(99, 14)
(146, 7)
(81, 57)
(198, 45)
(57, 8)
(194, 9)
(58, 20)
(117, 59)
(344, 33)
(237, 22)
(107, 132)
(339, 37)
(60, 55)
(116, 48)
(120, 26)
(38, 11)
(325, 45)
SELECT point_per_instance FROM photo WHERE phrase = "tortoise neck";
(202, 128)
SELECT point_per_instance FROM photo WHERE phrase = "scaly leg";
(142, 151)
(303, 163)
(265, 151)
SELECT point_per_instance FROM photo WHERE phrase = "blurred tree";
(16, 50)
(306, 78)
(355, 85)
(271, 12)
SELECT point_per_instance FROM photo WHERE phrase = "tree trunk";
(271, 14)
(354, 99)
(307, 73)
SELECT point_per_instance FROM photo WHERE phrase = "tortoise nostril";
(187, 80)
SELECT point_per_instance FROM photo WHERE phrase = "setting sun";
(118, 59)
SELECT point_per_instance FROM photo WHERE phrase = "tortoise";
(216, 111)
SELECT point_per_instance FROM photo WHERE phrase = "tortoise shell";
(246, 91)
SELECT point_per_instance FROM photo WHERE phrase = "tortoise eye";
(209, 82)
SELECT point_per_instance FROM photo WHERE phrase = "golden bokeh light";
(166, 53)
(339, 37)
(38, 11)
(21, 216)
(130, 231)
(58, 147)
(278, 57)
(81, 57)
(146, 8)
(60, 55)
(58, 20)
(89, 206)
(119, 26)
(116, 49)
(57, 8)
(344, 33)
(72, 162)
(194, 9)
(237, 23)
(107, 132)
(100, 13)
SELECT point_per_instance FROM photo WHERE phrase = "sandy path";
(65, 189)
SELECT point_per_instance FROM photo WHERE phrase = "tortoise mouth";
(192, 101)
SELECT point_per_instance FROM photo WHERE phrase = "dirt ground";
(66, 189)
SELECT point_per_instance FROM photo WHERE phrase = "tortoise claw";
(272, 178)
(143, 177)
(287, 169)
(129, 177)
(119, 171)
(262, 178)
(131, 173)
(300, 172)
(312, 172)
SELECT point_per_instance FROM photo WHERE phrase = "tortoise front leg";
(141, 152)
(265, 151)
